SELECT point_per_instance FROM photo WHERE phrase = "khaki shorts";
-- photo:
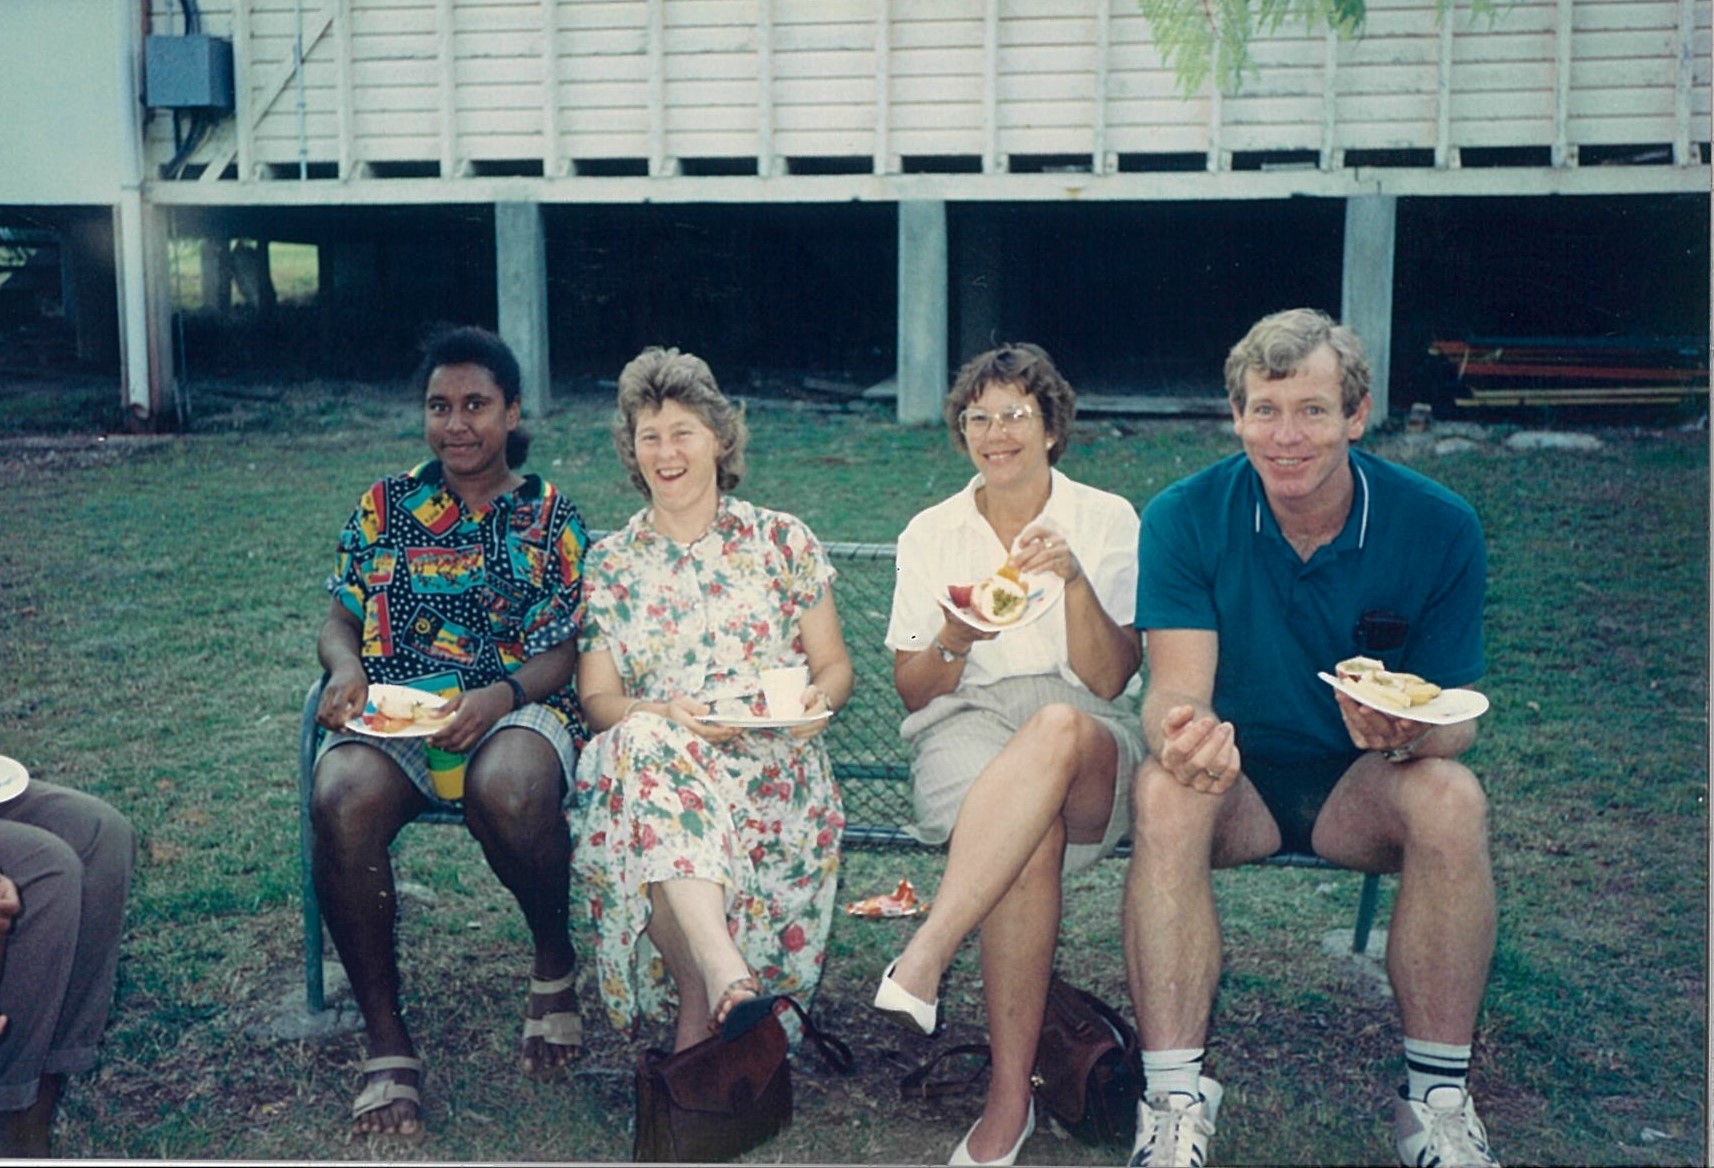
(957, 734)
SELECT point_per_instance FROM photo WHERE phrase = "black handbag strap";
(834, 1052)
(917, 1084)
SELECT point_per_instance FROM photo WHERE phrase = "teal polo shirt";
(1211, 556)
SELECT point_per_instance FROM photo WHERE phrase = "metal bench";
(870, 759)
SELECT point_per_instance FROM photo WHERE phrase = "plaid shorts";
(412, 754)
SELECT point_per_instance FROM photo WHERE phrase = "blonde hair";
(656, 376)
(1277, 346)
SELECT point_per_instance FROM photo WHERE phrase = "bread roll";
(1395, 690)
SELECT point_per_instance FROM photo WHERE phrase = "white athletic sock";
(1434, 1064)
(1173, 1070)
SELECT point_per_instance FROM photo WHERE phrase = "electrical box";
(187, 72)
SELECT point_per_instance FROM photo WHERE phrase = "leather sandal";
(557, 1027)
(379, 1093)
(733, 1016)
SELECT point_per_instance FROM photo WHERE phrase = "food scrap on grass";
(901, 902)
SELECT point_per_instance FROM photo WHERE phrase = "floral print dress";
(760, 815)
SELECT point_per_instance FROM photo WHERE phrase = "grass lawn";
(160, 606)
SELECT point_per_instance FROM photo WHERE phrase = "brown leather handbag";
(1088, 1066)
(1088, 1074)
(720, 1098)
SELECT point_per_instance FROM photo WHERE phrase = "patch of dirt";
(36, 454)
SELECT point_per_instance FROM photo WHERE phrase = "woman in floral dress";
(710, 851)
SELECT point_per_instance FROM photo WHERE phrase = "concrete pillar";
(978, 281)
(139, 255)
(521, 287)
(145, 312)
(1366, 299)
(922, 323)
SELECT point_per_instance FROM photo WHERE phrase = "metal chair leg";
(309, 740)
(1365, 913)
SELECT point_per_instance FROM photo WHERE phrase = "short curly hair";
(1027, 368)
(656, 376)
(469, 345)
(1277, 346)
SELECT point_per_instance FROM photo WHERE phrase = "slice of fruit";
(1000, 599)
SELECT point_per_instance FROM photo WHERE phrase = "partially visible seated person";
(710, 851)
(460, 578)
(65, 869)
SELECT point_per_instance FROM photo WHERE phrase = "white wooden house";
(529, 104)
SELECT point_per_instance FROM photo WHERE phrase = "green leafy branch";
(1199, 37)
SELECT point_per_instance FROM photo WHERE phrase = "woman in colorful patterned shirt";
(460, 578)
(710, 851)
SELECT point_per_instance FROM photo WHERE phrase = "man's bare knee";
(1166, 814)
(1443, 804)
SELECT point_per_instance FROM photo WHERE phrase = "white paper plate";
(13, 778)
(1045, 590)
(404, 693)
(761, 721)
(1448, 709)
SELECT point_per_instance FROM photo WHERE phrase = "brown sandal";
(728, 999)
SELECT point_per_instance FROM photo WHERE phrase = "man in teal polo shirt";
(1256, 574)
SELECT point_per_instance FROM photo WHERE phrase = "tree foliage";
(1197, 37)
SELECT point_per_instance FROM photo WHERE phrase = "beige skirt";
(957, 734)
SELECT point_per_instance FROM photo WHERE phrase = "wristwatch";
(947, 655)
(520, 699)
(1406, 752)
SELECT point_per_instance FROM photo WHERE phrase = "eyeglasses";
(978, 421)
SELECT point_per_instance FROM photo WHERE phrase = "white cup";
(783, 688)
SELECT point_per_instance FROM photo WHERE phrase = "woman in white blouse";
(1020, 752)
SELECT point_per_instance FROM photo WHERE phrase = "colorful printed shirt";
(453, 598)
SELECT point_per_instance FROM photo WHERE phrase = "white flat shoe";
(961, 1154)
(895, 1000)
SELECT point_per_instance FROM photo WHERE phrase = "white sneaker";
(1441, 1131)
(1173, 1130)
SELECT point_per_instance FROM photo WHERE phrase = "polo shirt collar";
(1355, 533)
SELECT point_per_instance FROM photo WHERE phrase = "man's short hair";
(1277, 346)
